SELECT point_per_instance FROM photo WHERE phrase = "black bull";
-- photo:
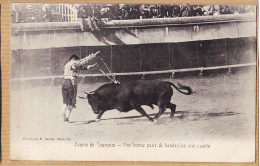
(132, 95)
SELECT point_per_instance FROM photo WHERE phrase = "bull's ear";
(92, 92)
(89, 94)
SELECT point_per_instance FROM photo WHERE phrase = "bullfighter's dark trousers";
(69, 92)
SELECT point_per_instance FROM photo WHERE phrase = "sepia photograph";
(133, 82)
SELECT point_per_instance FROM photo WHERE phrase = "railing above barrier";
(140, 73)
(180, 21)
(48, 26)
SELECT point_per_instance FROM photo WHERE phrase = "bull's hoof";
(97, 120)
(172, 116)
(66, 120)
(64, 117)
(152, 120)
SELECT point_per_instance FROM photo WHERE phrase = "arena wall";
(41, 50)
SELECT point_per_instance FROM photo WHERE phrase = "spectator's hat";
(110, 5)
(29, 7)
(152, 6)
(103, 10)
(74, 56)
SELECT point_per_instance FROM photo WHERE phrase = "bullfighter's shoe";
(66, 120)
(64, 117)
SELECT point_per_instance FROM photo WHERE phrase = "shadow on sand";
(182, 115)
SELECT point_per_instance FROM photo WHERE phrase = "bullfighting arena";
(223, 108)
(215, 54)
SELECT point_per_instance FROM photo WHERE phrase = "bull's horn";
(82, 97)
(89, 92)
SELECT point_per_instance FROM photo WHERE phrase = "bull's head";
(93, 101)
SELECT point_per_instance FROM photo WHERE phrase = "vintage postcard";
(133, 82)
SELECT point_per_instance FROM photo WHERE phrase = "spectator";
(235, 9)
(84, 14)
(197, 11)
(217, 9)
(144, 11)
(185, 11)
(125, 12)
(153, 11)
(226, 10)
(20, 13)
(70, 83)
(95, 21)
(207, 10)
(47, 12)
(163, 11)
(134, 12)
(91, 15)
(174, 11)
(110, 12)
(120, 11)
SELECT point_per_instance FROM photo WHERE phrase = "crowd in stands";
(35, 12)
(123, 11)
(92, 16)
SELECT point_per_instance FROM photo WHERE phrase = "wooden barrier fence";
(140, 73)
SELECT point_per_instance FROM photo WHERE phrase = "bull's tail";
(182, 87)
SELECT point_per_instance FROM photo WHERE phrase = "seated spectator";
(158, 11)
(126, 12)
(175, 11)
(84, 14)
(197, 11)
(20, 13)
(226, 10)
(120, 11)
(90, 15)
(47, 12)
(207, 10)
(185, 11)
(103, 10)
(217, 9)
(134, 12)
(235, 9)
(96, 18)
(144, 11)
(109, 12)
(153, 11)
(170, 10)
(163, 11)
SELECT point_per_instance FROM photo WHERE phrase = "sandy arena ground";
(222, 108)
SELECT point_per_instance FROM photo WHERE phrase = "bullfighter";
(69, 86)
